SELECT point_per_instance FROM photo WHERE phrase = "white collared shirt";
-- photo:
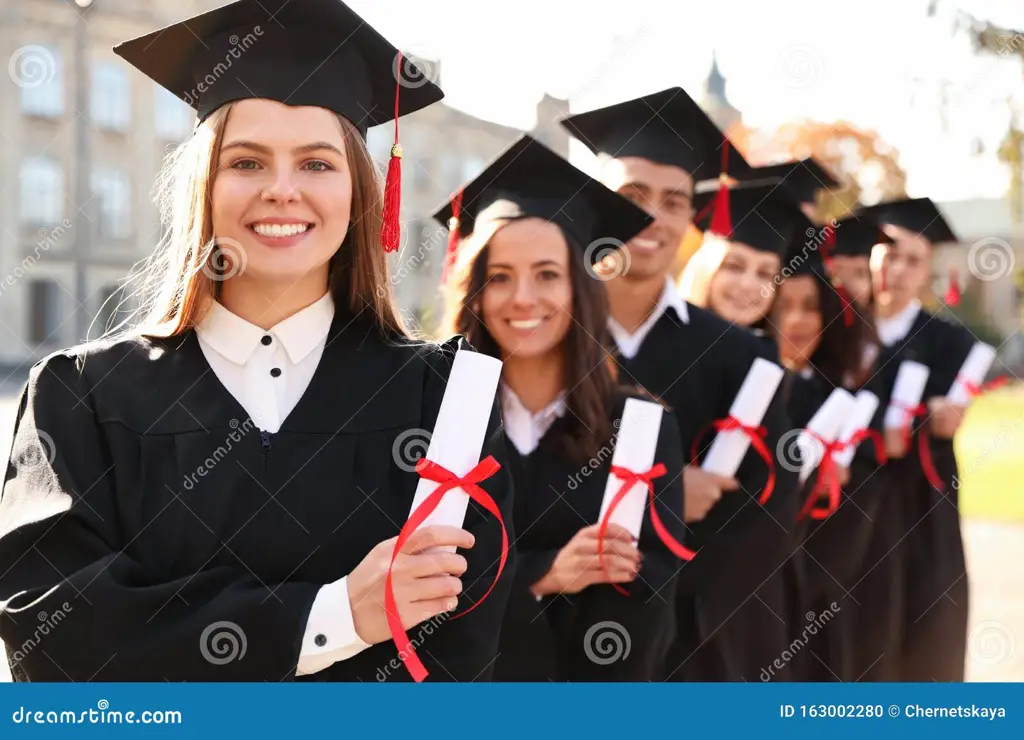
(268, 371)
(895, 328)
(525, 429)
(629, 344)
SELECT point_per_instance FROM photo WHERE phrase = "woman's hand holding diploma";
(426, 581)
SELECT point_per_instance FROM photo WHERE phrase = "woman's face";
(796, 318)
(527, 297)
(741, 289)
(855, 275)
(282, 192)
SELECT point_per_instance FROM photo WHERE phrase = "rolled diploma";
(459, 433)
(826, 423)
(863, 413)
(634, 449)
(907, 391)
(749, 406)
(978, 361)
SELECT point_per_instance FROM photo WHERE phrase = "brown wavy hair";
(177, 283)
(590, 372)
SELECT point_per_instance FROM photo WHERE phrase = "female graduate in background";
(525, 289)
(821, 343)
(223, 473)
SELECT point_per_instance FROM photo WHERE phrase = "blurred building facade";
(132, 125)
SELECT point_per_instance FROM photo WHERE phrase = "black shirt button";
(320, 640)
(275, 372)
(266, 340)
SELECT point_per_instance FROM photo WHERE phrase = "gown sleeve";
(464, 648)
(63, 552)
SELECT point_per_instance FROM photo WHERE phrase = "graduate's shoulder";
(726, 336)
(92, 362)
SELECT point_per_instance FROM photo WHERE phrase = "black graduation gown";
(934, 638)
(731, 596)
(597, 634)
(163, 520)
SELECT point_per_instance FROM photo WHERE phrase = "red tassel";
(953, 291)
(391, 228)
(453, 237)
(721, 217)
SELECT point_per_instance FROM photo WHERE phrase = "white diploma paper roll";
(910, 382)
(973, 371)
(863, 413)
(749, 407)
(826, 424)
(459, 433)
(634, 449)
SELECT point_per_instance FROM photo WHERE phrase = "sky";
(879, 64)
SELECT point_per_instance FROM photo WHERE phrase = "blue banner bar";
(525, 711)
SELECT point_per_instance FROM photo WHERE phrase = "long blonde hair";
(695, 282)
(178, 281)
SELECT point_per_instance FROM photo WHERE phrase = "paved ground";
(995, 558)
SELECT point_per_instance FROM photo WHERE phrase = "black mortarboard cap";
(856, 235)
(919, 215)
(301, 52)
(759, 215)
(666, 127)
(801, 179)
(530, 180)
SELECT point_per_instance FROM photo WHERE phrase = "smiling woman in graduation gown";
(215, 495)
(821, 344)
(524, 290)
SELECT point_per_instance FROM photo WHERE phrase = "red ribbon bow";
(974, 389)
(756, 436)
(448, 481)
(629, 478)
(828, 478)
(924, 450)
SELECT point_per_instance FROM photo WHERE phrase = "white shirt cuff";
(330, 632)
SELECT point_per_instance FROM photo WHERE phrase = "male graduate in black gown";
(923, 494)
(654, 149)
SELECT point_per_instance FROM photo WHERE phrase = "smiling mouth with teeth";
(525, 323)
(280, 230)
